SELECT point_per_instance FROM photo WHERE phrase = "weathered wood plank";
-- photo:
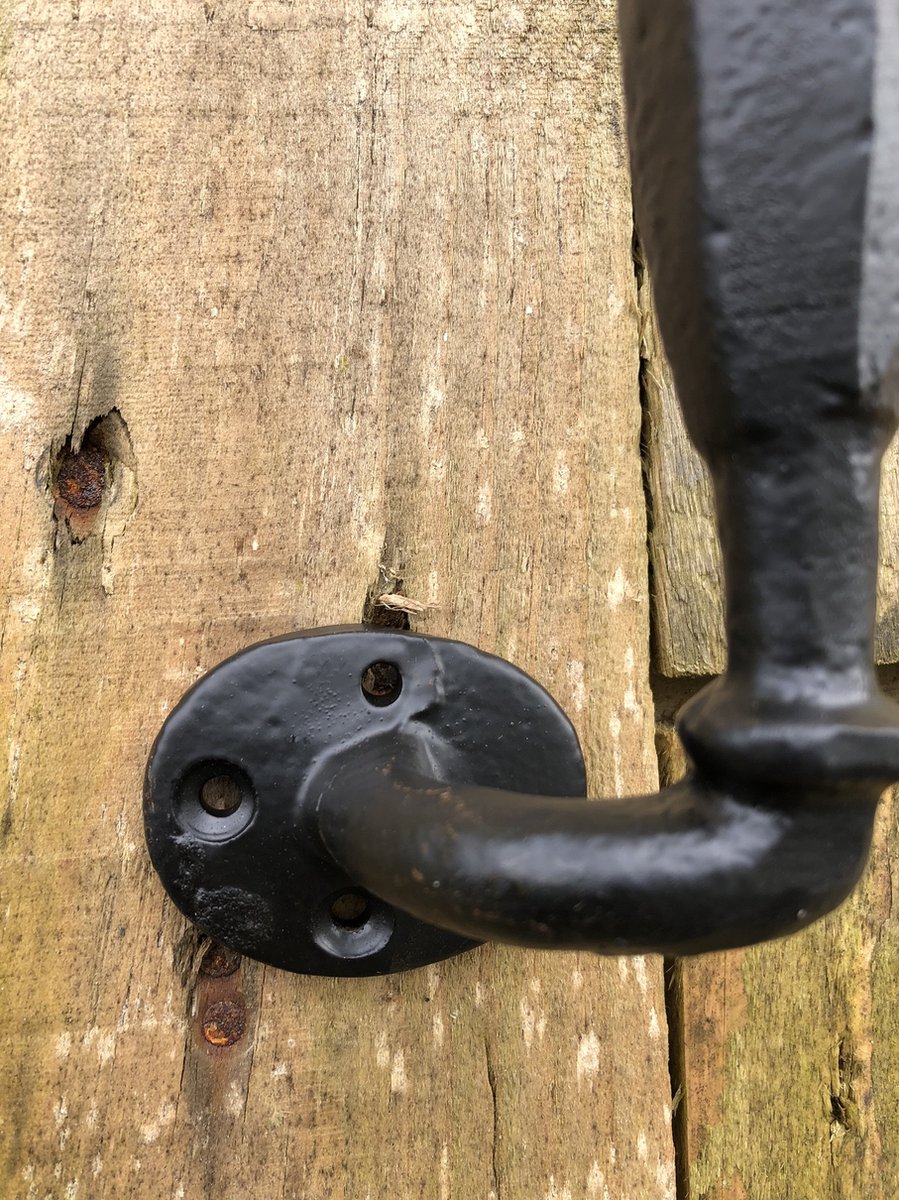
(789, 1052)
(352, 285)
(686, 561)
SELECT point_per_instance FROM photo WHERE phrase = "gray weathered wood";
(353, 286)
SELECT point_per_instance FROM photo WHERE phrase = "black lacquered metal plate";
(222, 800)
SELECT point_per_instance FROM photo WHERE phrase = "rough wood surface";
(686, 561)
(788, 1053)
(301, 304)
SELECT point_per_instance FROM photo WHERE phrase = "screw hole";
(381, 684)
(352, 924)
(350, 910)
(220, 796)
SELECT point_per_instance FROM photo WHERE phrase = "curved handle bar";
(692, 869)
(771, 222)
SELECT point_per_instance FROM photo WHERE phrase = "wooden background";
(298, 304)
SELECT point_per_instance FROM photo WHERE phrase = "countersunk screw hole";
(350, 910)
(381, 683)
(220, 796)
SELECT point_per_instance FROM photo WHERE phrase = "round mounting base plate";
(223, 808)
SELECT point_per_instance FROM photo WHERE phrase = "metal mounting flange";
(240, 764)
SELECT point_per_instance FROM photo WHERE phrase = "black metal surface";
(277, 721)
(765, 151)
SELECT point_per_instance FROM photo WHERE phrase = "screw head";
(224, 1022)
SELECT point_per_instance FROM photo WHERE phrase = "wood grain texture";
(686, 560)
(352, 287)
(788, 1053)
(688, 617)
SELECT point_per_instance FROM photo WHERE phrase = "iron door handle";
(384, 810)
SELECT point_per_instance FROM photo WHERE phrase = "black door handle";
(383, 808)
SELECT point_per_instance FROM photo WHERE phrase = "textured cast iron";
(765, 151)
